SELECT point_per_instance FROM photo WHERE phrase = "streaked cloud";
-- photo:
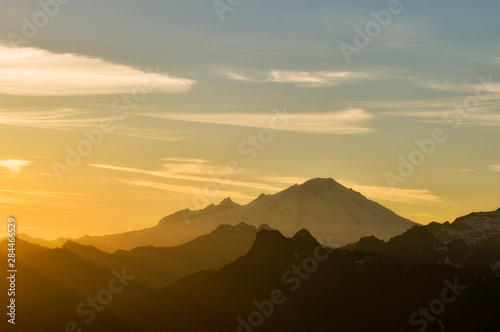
(152, 134)
(14, 165)
(189, 160)
(483, 120)
(413, 196)
(350, 121)
(460, 170)
(52, 119)
(183, 189)
(198, 171)
(71, 119)
(283, 179)
(45, 193)
(308, 79)
(34, 200)
(495, 168)
(37, 72)
(445, 86)
(241, 77)
(478, 112)
(303, 79)
(188, 166)
(478, 117)
(486, 87)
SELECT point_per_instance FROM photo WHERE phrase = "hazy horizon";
(155, 223)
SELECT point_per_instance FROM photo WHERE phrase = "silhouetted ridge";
(416, 236)
(177, 217)
(304, 236)
(370, 244)
(261, 196)
(268, 241)
(226, 204)
(223, 228)
(187, 214)
(70, 244)
(266, 236)
(434, 227)
(264, 226)
(23, 246)
(417, 245)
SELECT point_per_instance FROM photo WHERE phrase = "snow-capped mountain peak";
(332, 213)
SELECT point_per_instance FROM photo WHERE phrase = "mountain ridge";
(333, 214)
(322, 290)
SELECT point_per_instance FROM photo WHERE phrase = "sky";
(115, 114)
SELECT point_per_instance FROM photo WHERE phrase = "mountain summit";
(332, 213)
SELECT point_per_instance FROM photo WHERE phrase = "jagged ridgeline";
(332, 213)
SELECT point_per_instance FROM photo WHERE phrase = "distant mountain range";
(478, 228)
(42, 242)
(411, 283)
(332, 213)
(261, 267)
(235, 271)
(53, 282)
(156, 267)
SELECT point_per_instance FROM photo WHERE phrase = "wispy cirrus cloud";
(197, 170)
(485, 86)
(308, 79)
(52, 119)
(478, 118)
(283, 179)
(412, 196)
(71, 119)
(482, 112)
(37, 72)
(14, 165)
(182, 189)
(350, 121)
(495, 168)
(241, 77)
(456, 170)
(303, 79)
(33, 200)
(44, 193)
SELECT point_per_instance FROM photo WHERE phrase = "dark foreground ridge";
(293, 284)
(243, 278)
